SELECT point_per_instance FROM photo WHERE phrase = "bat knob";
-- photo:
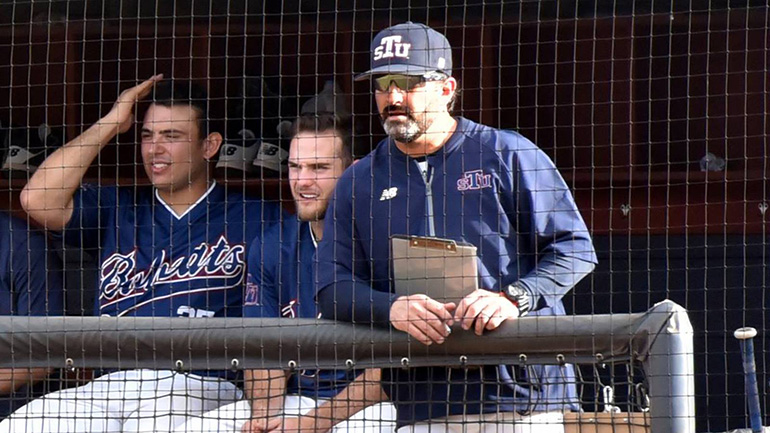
(745, 333)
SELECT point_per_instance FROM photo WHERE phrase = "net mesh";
(654, 113)
(632, 370)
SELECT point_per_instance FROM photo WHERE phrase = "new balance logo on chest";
(475, 179)
(389, 193)
(391, 46)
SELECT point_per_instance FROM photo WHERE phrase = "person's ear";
(449, 87)
(211, 145)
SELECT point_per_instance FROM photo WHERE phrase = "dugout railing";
(660, 340)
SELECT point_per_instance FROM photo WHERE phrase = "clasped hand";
(430, 321)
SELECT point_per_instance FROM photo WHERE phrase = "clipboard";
(442, 269)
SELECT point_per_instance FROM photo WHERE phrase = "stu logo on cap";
(411, 49)
(391, 46)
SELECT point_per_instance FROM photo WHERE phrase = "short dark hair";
(173, 93)
(323, 122)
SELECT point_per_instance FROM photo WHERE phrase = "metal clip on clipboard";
(442, 269)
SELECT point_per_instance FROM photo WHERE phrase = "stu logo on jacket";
(120, 278)
(475, 179)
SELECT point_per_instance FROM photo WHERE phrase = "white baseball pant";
(380, 417)
(122, 402)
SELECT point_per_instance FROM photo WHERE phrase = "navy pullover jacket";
(487, 187)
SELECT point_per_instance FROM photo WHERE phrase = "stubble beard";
(405, 131)
(311, 215)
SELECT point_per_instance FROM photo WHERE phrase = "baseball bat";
(745, 337)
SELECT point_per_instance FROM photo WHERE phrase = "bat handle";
(745, 338)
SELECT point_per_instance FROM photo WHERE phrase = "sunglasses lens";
(403, 82)
(381, 83)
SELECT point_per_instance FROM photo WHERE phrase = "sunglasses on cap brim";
(404, 82)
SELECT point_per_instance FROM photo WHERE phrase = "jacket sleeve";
(342, 285)
(557, 233)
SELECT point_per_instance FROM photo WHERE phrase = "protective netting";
(633, 369)
(655, 115)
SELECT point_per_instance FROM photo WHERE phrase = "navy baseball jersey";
(153, 262)
(487, 187)
(30, 285)
(30, 278)
(283, 285)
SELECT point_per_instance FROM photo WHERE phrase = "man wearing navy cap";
(443, 176)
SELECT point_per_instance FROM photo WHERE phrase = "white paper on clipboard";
(442, 269)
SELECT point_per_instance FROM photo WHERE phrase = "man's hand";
(487, 309)
(122, 111)
(423, 318)
(281, 424)
(292, 425)
(261, 425)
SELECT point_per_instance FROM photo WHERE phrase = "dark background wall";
(721, 280)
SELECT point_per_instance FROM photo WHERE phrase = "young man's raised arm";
(47, 197)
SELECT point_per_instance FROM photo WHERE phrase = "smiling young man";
(177, 248)
(282, 284)
(443, 176)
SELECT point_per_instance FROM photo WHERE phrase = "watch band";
(518, 297)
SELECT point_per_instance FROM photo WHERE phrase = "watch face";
(510, 293)
(519, 297)
(515, 292)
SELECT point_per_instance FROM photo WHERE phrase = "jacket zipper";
(427, 177)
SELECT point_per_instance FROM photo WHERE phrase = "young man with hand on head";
(282, 284)
(177, 248)
(442, 176)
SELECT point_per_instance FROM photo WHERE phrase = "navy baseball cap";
(410, 49)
